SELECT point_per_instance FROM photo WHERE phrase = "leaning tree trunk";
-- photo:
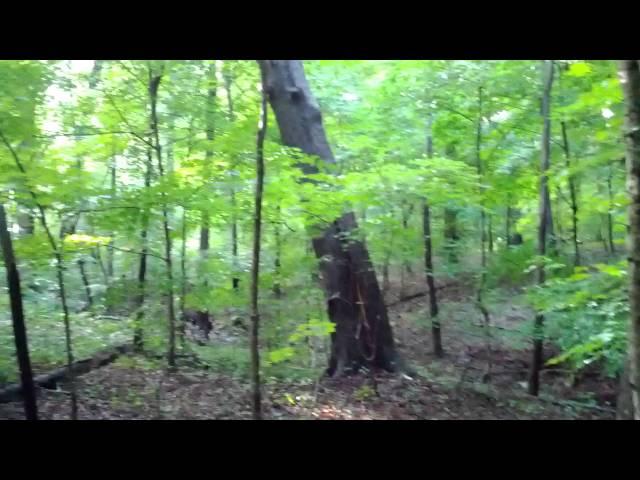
(363, 335)
(19, 326)
(630, 79)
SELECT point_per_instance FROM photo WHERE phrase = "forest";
(320, 239)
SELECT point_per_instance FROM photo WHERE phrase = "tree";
(17, 315)
(363, 335)
(255, 264)
(428, 259)
(630, 80)
(543, 224)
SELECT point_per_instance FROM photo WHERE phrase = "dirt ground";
(442, 389)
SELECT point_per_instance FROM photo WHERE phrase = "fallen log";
(51, 379)
(406, 298)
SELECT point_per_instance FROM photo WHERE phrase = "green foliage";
(587, 314)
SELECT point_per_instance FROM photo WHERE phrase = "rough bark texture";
(544, 223)
(363, 335)
(17, 316)
(630, 79)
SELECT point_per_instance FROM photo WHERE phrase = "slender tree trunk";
(363, 333)
(138, 333)
(183, 275)
(610, 213)
(630, 79)
(110, 251)
(451, 234)
(490, 232)
(210, 132)
(572, 196)
(85, 282)
(537, 358)
(277, 264)
(154, 84)
(386, 282)
(235, 281)
(483, 250)
(19, 326)
(55, 248)
(507, 226)
(407, 211)
(255, 264)
(436, 332)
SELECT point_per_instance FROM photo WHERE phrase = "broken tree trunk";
(363, 335)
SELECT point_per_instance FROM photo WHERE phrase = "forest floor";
(450, 388)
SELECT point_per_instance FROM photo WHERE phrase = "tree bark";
(277, 290)
(451, 236)
(483, 250)
(208, 155)
(55, 248)
(85, 282)
(154, 84)
(255, 264)
(112, 193)
(630, 79)
(138, 333)
(19, 326)
(436, 332)
(543, 225)
(572, 196)
(363, 335)
(235, 281)
(610, 212)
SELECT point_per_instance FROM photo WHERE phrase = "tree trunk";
(154, 84)
(110, 250)
(451, 234)
(209, 131)
(85, 282)
(428, 260)
(183, 275)
(630, 79)
(543, 225)
(363, 334)
(19, 326)
(483, 250)
(59, 275)
(507, 226)
(490, 233)
(255, 264)
(572, 196)
(138, 334)
(277, 292)
(235, 281)
(610, 212)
